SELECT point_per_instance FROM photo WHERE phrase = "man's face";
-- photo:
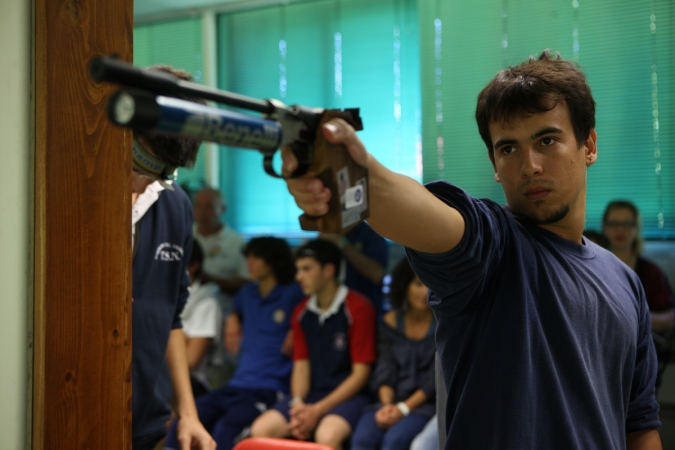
(311, 275)
(208, 209)
(258, 268)
(541, 167)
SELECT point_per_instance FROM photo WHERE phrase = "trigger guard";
(269, 168)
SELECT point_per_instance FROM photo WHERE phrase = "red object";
(278, 444)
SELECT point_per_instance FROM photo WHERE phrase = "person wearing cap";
(333, 352)
(162, 241)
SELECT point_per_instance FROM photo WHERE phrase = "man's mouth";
(537, 193)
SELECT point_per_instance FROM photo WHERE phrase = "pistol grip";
(346, 181)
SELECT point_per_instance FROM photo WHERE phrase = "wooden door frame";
(81, 338)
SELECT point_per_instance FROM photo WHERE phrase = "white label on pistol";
(354, 196)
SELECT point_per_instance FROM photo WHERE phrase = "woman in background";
(621, 226)
(404, 375)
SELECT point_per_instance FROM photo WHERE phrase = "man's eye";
(508, 150)
(548, 141)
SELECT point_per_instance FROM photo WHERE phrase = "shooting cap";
(151, 166)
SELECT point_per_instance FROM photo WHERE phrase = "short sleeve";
(300, 350)
(361, 333)
(456, 277)
(643, 408)
(204, 319)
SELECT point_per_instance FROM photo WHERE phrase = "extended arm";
(196, 349)
(190, 432)
(232, 333)
(418, 214)
(643, 440)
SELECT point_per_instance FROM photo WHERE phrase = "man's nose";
(531, 162)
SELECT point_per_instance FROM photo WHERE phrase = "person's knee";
(332, 431)
(270, 424)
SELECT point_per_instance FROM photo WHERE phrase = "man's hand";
(304, 420)
(387, 416)
(191, 434)
(310, 194)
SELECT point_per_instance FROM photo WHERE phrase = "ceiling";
(146, 8)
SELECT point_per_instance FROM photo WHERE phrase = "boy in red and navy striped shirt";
(334, 348)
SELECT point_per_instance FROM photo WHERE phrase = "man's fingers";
(289, 161)
(337, 131)
(310, 194)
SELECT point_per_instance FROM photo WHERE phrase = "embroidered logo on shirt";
(339, 341)
(167, 251)
(279, 315)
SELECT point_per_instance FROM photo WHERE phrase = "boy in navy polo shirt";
(257, 330)
(333, 350)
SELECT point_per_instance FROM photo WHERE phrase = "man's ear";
(591, 148)
(330, 270)
(492, 160)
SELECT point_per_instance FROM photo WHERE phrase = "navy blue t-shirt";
(160, 290)
(544, 343)
(265, 324)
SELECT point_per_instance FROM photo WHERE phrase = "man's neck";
(326, 295)
(209, 230)
(266, 285)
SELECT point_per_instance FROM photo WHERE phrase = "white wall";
(15, 219)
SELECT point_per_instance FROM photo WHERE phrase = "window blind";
(325, 53)
(625, 49)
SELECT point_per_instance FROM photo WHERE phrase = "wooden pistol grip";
(347, 181)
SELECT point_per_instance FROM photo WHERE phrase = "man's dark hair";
(323, 251)
(537, 86)
(196, 256)
(176, 151)
(276, 253)
(401, 277)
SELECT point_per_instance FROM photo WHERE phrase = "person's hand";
(191, 434)
(310, 194)
(387, 416)
(304, 421)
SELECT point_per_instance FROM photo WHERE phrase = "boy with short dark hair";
(333, 350)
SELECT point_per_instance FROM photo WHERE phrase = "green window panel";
(625, 49)
(325, 53)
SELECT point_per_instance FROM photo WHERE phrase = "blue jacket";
(160, 291)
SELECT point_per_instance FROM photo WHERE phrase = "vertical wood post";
(82, 306)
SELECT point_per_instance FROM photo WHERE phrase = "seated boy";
(261, 322)
(333, 349)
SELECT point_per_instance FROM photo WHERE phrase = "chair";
(278, 444)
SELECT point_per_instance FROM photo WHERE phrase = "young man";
(260, 320)
(162, 240)
(333, 350)
(544, 337)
